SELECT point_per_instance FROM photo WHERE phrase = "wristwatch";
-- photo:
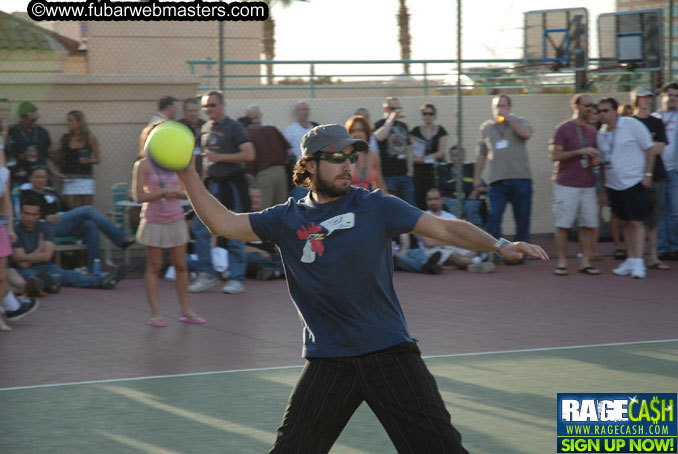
(498, 245)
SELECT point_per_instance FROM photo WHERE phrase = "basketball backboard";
(631, 38)
(556, 39)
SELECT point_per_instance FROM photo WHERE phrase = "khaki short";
(575, 204)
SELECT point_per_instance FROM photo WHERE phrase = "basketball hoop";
(556, 40)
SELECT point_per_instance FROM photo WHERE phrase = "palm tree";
(268, 39)
(404, 37)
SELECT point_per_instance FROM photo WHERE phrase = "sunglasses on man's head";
(338, 157)
(587, 104)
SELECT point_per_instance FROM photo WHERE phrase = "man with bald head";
(502, 144)
(254, 115)
(268, 168)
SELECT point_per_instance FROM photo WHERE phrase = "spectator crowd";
(605, 154)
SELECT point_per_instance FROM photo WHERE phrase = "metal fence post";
(425, 79)
(221, 56)
(459, 165)
(312, 81)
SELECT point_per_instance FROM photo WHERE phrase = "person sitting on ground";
(35, 248)
(82, 222)
(263, 257)
(474, 206)
(433, 252)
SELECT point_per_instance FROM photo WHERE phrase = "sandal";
(194, 319)
(659, 266)
(560, 271)
(620, 254)
(157, 322)
(589, 270)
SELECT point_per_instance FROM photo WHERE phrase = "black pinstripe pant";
(396, 385)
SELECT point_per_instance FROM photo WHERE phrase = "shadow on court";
(501, 403)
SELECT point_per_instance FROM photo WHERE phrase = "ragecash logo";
(615, 422)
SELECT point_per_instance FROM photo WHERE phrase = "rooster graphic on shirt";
(314, 234)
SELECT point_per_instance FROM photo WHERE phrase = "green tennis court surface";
(501, 403)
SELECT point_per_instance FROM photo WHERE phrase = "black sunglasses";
(587, 104)
(428, 114)
(603, 110)
(338, 157)
(206, 106)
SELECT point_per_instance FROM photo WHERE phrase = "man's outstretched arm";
(218, 219)
(465, 235)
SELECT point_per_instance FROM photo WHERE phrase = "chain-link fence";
(115, 72)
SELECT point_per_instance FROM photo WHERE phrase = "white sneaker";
(638, 271)
(202, 282)
(233, 287)
(485, 267)
(624, 269)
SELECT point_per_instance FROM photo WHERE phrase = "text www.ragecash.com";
(153, 10)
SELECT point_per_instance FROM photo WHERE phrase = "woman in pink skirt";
(163, 226)
(7, 235)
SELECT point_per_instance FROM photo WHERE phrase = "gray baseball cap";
(329, 138)
(642, 91)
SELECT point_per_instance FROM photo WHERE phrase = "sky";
(367, 29)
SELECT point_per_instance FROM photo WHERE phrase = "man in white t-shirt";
(627, 153)
(293, 133)
(419, 260)
(667, 244)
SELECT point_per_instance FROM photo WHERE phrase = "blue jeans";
(67, 278)
(667, 234)
(412, 262)
(401, 186)
(237, 259)
(85, 222)
(519, 194)
(471, 211)
(256, 261)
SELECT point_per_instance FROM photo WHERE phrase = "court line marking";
(261, 369)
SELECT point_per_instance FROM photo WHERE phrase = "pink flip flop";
(157, 323)
(195, 321)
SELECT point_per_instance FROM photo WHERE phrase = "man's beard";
(328, 190)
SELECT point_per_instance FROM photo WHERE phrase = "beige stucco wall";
(165, 47)
(542, 111)
(118, 107)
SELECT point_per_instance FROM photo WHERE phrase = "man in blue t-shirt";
(335, 245)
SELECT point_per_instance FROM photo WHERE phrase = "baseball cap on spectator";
(642, 91)
(26, 107)
(329, 138)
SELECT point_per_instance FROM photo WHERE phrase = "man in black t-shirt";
(226, 147)
(641, 100)
(194, 122)
(395, 150)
